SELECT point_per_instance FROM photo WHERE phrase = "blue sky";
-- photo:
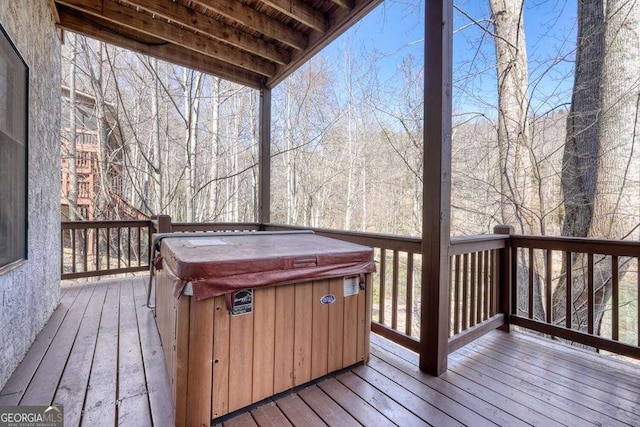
(396, 29)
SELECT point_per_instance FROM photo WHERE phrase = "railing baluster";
(569, 302)
(73, 251)
(62, 250)
(394, 290)
(128, 246)
(615, 299)
(409, 300)
(531, 289)
(638, 298)
(119, 243)
(485, 313)
(149, 243)
(383, 265)
(139, 246)
(480, 289)
(97, 249)
(86, 249)
(590, 302)
(456, 297)
(465, 291)
(472, 285)
(547, 281)
(108, 230)
(494, 283)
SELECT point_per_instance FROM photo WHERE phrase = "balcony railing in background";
(488, 273)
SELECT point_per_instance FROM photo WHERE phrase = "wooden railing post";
(164, 224)
(505, 276)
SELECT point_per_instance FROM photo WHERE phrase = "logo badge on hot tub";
(328, 299)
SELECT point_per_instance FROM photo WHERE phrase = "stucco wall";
(30, 293)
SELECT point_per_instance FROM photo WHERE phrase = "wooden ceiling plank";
(301, 12)
(179, 14)
(249, 17)
(346, 4)
(146, 24)
(119, 35)
(340, 21)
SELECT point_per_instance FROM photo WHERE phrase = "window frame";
(15, 57)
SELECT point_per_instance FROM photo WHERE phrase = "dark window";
(14, 77)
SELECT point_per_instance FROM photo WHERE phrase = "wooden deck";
(100, 357)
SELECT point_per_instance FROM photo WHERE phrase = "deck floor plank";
(19, 381)
(101, 398)
(330, 412)
(597, 388)
(466, 408)
(157, 378)
(44, 383)
(391, 409)
(583, 362)
(133, 402)
(73, 384)
(617, 408)
(430, 406)
(363, 412)
(100, 355)
(269, 415)
(573, 401)
(297, 412)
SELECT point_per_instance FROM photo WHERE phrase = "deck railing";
(98, 248)
(599, 279)
(490, 278)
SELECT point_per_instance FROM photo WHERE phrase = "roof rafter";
(124, 15)
(181, 15)
(119, 35)
(244, 15)
(301, 12)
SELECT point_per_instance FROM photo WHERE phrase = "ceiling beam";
(144, 23)
(340, 21)
(346, 4)
(301, 12)
(102, 29)
(194, 21)
(256, 21)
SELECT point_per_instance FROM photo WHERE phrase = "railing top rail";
(386, 241)
(578, 244)
(78, 225)
(183, 226)
(484, 242)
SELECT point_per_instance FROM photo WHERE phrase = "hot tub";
(244, 316)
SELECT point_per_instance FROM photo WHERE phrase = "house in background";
(88, 159)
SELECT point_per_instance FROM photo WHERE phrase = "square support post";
(436, 200)
(264, 158)
(505, 276)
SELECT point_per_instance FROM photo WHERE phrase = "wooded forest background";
(546, 142)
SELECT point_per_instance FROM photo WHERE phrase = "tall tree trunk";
(71, 143)
(579, 162)
(214, 190)
(616, 211)
(514, 140)
(156, 158)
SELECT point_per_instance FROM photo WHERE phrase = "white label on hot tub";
(206, 242)
(351, 286)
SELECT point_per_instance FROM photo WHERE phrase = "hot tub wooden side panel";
(219, 363)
